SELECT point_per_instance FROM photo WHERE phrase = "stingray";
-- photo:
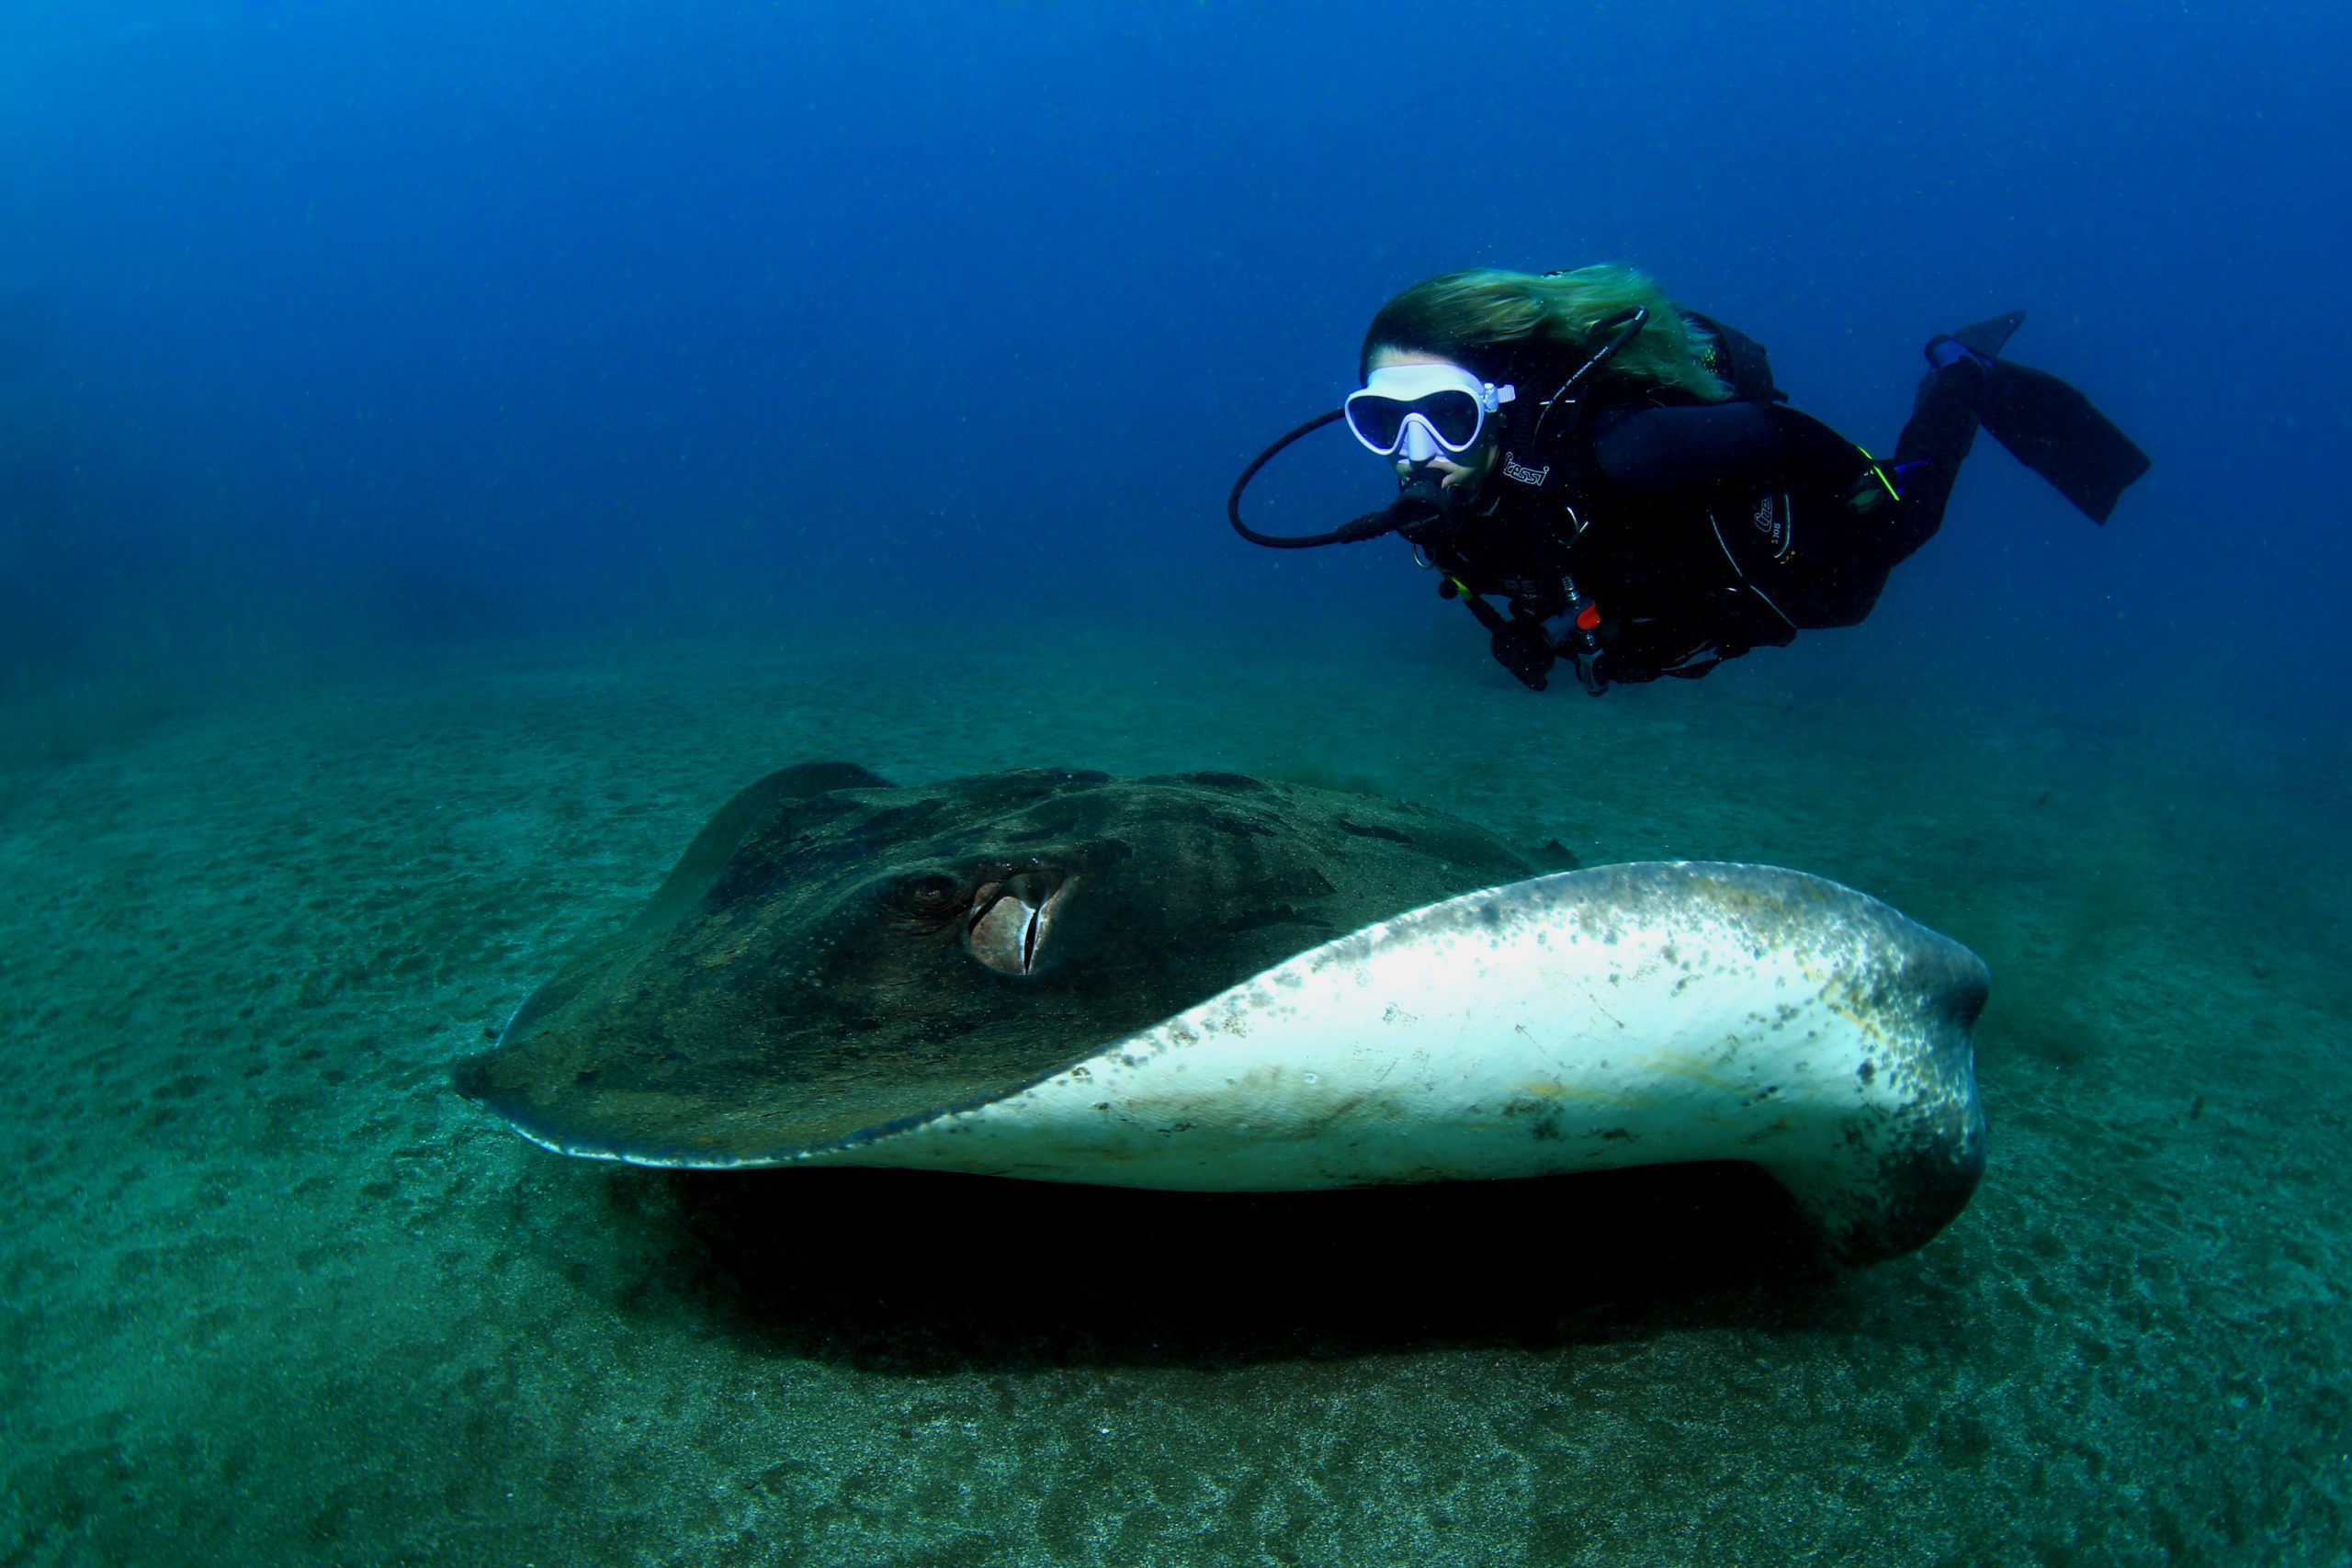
(1217, 983)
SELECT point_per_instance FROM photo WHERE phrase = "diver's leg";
(1927, 454)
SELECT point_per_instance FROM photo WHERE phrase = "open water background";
(329, 325)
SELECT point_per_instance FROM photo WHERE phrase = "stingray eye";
(932, 901)
(934, 892)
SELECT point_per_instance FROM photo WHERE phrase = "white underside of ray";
(1632, 1015)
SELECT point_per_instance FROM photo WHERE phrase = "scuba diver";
(1611, 481)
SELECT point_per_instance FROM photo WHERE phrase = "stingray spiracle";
(1012, 919)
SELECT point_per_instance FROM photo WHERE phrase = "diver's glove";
(1520, 647)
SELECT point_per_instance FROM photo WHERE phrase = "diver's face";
(1468, 472)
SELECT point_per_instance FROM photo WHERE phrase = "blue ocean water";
(325, 321)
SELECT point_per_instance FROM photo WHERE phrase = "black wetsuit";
(1661, 539)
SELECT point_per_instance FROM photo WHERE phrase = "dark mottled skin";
(801, 976)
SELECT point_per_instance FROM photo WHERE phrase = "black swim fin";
(2053, 430)
(2045, 424)
(1986, 339)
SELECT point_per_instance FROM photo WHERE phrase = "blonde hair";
(1504, 326)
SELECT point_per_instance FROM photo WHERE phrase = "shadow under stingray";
(919, 1271)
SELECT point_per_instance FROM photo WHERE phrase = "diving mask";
(1423, 411)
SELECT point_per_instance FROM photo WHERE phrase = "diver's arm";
(1677, 451)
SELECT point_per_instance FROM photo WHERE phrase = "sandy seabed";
(271, 1292)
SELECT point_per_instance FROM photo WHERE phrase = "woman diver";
(1608, 479)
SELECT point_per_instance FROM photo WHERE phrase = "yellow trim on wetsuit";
(1878, 471)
